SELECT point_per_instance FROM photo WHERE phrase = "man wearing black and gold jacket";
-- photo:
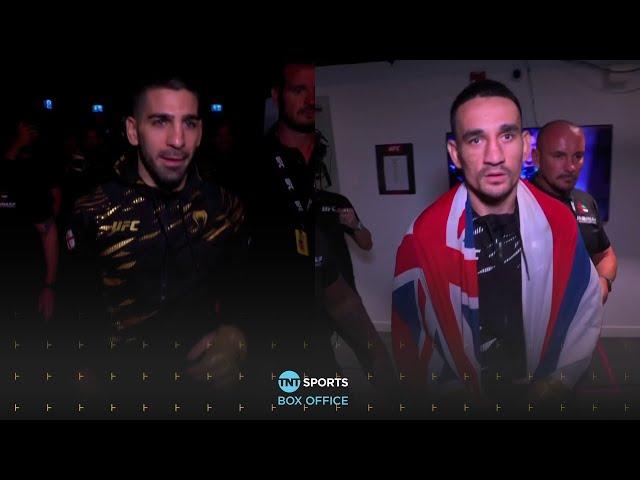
(166, 248)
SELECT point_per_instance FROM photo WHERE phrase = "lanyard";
(300, 210)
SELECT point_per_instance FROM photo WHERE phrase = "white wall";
(409, 101)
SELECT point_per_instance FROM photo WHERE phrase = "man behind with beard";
(280, 214)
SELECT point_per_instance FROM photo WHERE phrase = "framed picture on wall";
(395, 169)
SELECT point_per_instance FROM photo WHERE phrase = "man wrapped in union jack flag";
(494, 289)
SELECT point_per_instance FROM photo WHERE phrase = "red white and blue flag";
(435, 316)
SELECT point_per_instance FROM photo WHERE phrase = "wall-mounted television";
(595, 176)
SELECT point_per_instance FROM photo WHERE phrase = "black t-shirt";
(502, 343)
(282, 286)
(327, 218)
(24, 201)
(585, 209)
(280, 218)
(279, 201)
(326, 268)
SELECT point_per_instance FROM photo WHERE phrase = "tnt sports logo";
(289, 381)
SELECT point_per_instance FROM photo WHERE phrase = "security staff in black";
(280, 214)
(560, 155)
(280, 200)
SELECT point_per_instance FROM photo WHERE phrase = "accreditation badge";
(302, 242)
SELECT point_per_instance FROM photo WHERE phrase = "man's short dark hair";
(278, 68)
(481, 88)
(169, 82)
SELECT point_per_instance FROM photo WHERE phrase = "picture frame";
(395, 169)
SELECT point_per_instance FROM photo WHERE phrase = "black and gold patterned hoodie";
(164, 260)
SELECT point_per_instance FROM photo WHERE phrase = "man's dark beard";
(490, 200)
(297, 127)
(164, 185)
(555, 190)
